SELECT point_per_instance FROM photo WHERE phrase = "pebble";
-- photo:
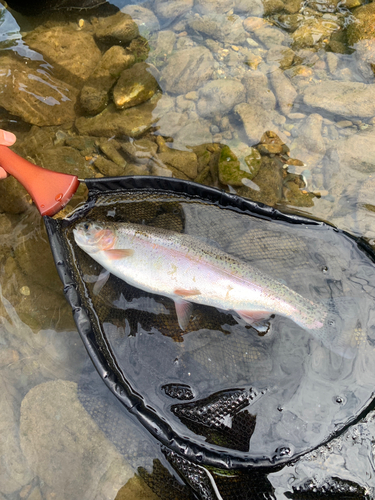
(344, 124)
(25, 290)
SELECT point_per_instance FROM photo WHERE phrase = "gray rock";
(187, 70)
(108, 168)
(218, 97)
(119, 28)
(37, 98)
(73, 54)
(284, 90)
(170, 123)
(271, 36)
(183, 163)
(14, 469)
(194, 133)
(164, 47)
(110, 149)
(257, 90)
(168, 11)
(309, 146)
(132, 122)
(94, 94)
(249, 7)
(145, 19)
(140, 151)
(65, 448)
(220, 27)
(136, 85)
(213, 6)
(257, 120)
(355, 152)
(349, 99)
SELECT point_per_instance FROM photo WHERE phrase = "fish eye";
(331, 322)
(86, 226)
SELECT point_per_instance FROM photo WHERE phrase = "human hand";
(6, 139)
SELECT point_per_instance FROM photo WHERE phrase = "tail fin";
(341, 331)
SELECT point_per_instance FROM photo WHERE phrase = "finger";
(3, 174)
(7, 138)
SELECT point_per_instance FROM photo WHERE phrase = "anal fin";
(183, 311)
(253, 317)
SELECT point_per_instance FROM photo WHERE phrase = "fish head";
(93, 237)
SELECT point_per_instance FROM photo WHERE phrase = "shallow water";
(247, 67)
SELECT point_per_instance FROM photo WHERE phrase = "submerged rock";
(349, 99)
(145, 19)
(168, 11)
(30, 92)
(355, 152)
(119, 28)
(314, 32)
(234, 169)
(135, 86)
(309, 146)
(256, 121)
(285, 92)
(56, 429)
(228, 29)
(218, 97)
(187, 70)
(14, 469)
(257, 91)
(363, 28)
(132, 122)
(182, 163)
(94, 94)
(73, 54)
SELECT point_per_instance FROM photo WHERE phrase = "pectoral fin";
(116, 254)
(252, 317)
(183, 311)
(186, 293)
(101, 281)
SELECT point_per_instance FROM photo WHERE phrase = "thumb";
(7, 138)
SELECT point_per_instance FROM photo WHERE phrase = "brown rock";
(119, 28)
(187, 70)
(94, 95)
(72, 53)
(135, 86)
(33, 95)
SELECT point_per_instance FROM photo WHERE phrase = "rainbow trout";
(187, 270)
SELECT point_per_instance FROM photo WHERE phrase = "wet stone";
(249, 7)
(36, 97)
(271, 36)
(284, 90)
(228, 29)
(309, 146)
(145, 19)
(256, 121)
(355, 152)
(187, 70)
(132, 169)
(14, 469)
(94, 94)
(166, 10)
(233, 169)
(135, 86)
(164, 47)
(219, 97)
(108, 168)
(14, 199)
(281, 55)
(72, 53)
(112, 122)
(314, 32)
(257, 91)
(363, 28)
(180, 162)
(119, 28)
(213, 6)
(349, 99)
(140, 151)
(110, 149)
(56, 429)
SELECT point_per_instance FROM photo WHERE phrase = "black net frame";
(88, 327)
